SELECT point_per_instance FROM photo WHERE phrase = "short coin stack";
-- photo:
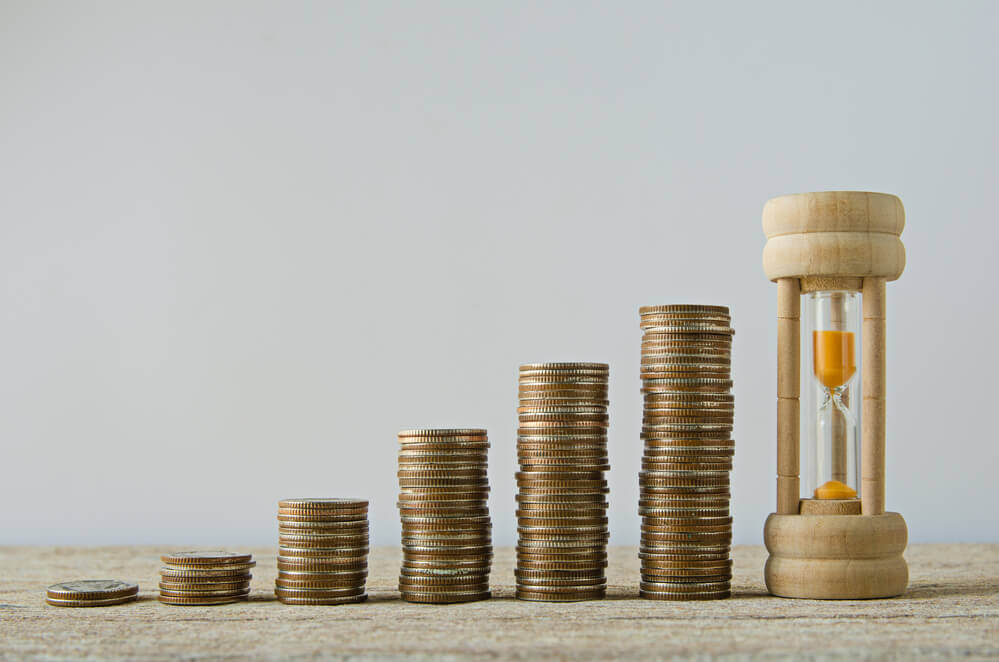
(687, 430)
(562, 496)
(205, 578)
(91, 593)
(323, 551)
(446, 530)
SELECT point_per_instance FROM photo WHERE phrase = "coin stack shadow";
(443, 505)
(687, 432)
(205, 578)
(562, 496)
(323, 553)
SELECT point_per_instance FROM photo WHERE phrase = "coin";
(208, 574)
(323, 552)
(335, 504)
(316, 565)
(524, 593)
(446, 527)
(200, 600)
(167, 592)
(318, 592)
(471, 434)
(91, 593)
(106, 602)
(99, 589)
(562, 452)
(687, 421)
(205, 558)
(225, 587)
(324, 601)
(445, 597)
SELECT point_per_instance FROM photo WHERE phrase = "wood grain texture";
(834, 234)
(836, 557)
(951, 609)
(788, 392)
(873, 414)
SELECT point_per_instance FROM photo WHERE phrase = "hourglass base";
(836, 557)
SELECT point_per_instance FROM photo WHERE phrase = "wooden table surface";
(950, 610)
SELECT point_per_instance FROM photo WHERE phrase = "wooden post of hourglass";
(833, 241)
(872, 454)
(788, 393)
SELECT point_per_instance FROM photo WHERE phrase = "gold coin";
(559, 498)
(533, 520)
(312, 565)
(446, 523)
(450, 564)
(433, 473)
(451, 447)
(714, 538)
(695, 308)
(689, 566)
(667, 578)
(686, 554)
(444, 598)
(324, 503)
(357, 581)
(554, 596)
(106, 602)
(444, 432)
(685, 587)
(561, 566)
(565, 365)
(204, 593)
(201, 600)
(318, 592)
(203, 558)
(324, 538)
(237, 571)
(356, 555)
(92, 589)
(317, 520)
(324, 601)
(554, 584)
(205, 586)
(443, 583)
(353, 547)
(534, 402)
(424, 552)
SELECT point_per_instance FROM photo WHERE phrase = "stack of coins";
(687, 430)
(446, 530)
(91, 593)
(205, 578)
(323, 551)
(562, 495)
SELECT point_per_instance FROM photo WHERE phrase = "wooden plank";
(951, 609)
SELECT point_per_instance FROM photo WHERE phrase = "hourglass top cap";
(852, 234)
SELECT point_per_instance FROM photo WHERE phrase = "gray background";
(242, 244)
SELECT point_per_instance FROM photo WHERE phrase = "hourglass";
(831, 327)
(831, 254)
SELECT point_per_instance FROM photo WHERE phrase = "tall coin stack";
(562, 497)
(446, 530)
(323, 553)
(205, 578)
(687, 430)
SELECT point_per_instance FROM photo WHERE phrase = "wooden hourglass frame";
(836, 548)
